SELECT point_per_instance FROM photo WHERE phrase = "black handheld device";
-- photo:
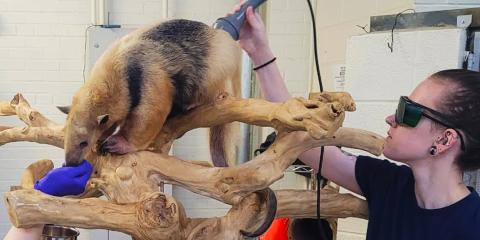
(232, 23)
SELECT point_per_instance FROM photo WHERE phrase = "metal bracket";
(464, 21)
(458, 18)
(474, 56)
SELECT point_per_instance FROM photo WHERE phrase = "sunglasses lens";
(407, 113)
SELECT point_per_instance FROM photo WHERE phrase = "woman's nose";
(390, 120)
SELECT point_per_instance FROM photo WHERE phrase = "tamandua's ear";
(64, 109)
(102, 119)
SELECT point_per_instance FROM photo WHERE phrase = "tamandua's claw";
(102, 148)
(115, 144)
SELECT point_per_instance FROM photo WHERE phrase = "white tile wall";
(290, 35)
(41, 56)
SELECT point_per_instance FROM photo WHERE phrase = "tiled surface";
(41, 56)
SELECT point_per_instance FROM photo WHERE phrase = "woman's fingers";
(236, 8)
(254, 18)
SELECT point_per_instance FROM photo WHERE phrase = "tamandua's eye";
(83, 144)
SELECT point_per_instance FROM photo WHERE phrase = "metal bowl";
(55, 232)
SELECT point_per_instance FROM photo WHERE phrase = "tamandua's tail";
(224, 139)
(218, 150)
(224, 143)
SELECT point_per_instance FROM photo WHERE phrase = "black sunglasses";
(409, 114)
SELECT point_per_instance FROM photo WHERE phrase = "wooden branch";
(6, 109)
(124, 178)
(156, 217)
(39, 128)
(28, 115)
(52, 135)
(321, 117)
(131, 181)
(161, 217)
(303, 204)
(35, 172)
(5, 127)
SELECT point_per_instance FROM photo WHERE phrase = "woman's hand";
(253, 38)
(65, 180)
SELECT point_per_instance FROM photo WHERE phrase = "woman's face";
(406, 144)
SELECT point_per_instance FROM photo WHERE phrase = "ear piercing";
(433, 150)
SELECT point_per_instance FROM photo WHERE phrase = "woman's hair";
(461, 105)
(310, 229)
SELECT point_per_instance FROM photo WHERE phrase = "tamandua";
(147, 76)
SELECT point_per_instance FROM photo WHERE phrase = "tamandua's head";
(82, 131)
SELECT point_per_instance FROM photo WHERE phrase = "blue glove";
(65, 180)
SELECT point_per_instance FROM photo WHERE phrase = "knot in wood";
(154, 212)
(124, 173)
(222, 187)
(222, 96)
(228, 180)
(16, 99)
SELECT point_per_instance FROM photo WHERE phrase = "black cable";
(390, 45)
(320, 162)
(315, 45)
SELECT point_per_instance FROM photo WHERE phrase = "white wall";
(338, 20)
(290, 34)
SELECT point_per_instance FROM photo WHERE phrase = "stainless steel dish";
(55, 232)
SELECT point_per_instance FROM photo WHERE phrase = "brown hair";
(462, 107)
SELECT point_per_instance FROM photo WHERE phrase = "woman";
(435, 133)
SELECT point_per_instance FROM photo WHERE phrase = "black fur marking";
(134, 80)
(183, 96)
(185, 46)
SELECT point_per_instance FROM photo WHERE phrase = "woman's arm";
(337, 166)
(33, 233)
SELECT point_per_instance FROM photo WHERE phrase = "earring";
(433, 150)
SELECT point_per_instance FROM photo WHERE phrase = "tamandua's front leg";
(117, 144)
(145, 122)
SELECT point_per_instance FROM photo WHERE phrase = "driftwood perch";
(131, 181)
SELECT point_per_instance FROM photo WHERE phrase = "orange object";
(277, 231)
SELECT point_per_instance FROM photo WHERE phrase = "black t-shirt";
(395, 215)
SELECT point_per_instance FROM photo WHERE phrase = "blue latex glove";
(65, 180)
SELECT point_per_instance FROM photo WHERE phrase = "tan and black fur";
(148, 76)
